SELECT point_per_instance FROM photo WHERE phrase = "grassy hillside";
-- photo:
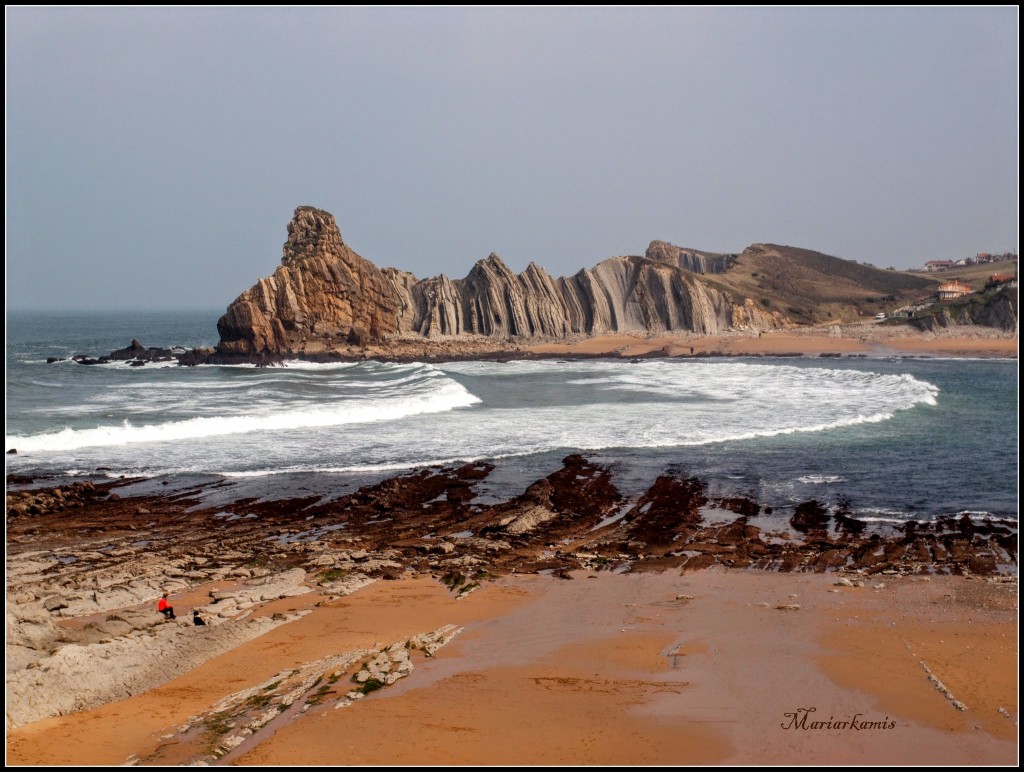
(974, 276)
(811, 287)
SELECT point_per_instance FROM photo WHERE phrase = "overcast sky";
(155, 156)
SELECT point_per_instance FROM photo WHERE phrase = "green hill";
(812, 287)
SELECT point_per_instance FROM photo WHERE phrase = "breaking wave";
(381, 402)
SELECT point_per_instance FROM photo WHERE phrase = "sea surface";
(897, 438)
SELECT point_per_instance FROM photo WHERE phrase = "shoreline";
(684, 346)
(867, 340)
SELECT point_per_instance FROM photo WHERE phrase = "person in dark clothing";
(196, 619)
(165, 607)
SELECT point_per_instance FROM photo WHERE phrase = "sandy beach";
(612, 669)
(866, 339)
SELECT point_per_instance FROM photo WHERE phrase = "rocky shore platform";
(317, 599)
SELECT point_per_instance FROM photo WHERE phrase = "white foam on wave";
(126, 364)
(201, 384)
(878, 515)
(734, 380)
(820, 479)
(664, 440)
(288, 364)
(356, 468)
(447, 395)
(898, 520)
(721, 402)
(520, 367)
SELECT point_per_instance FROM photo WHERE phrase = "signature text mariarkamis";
(801, 718)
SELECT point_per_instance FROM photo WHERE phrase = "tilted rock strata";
(55, 670)
(621, 294)
(324, 297)
(77, 677)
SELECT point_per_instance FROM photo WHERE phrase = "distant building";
(983, 257)
(952, 290)
(938, 265)
(908, 312)
(1001, 280)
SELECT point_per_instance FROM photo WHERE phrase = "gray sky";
(155, 156)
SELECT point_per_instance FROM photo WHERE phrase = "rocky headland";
(326, 298)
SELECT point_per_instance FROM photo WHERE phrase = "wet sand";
(613, 669)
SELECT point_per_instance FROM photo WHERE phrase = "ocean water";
(895, 438)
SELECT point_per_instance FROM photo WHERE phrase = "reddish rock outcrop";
(322, 291)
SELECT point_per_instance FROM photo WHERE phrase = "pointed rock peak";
(491, 263)
(311, 231)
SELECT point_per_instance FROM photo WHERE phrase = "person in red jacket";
(165, 607)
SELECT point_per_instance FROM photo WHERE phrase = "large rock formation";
(325, 298)
(322, 289)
